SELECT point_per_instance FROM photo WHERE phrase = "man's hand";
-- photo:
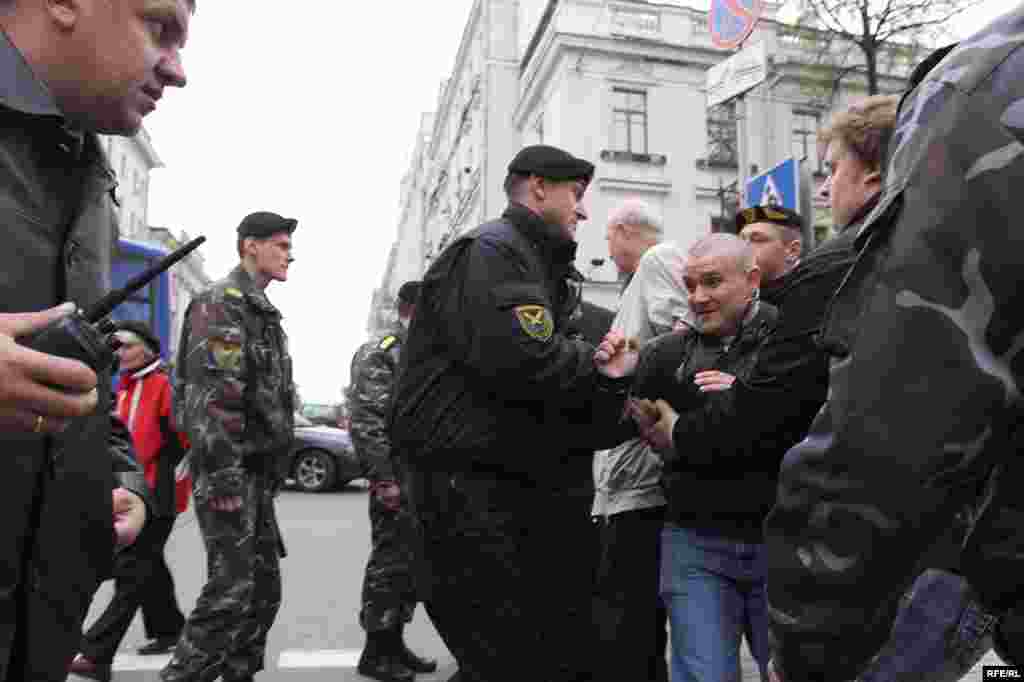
(616, 356)
(388, 494)
(34, 385)
(713, 380)
(644, 413)
(659, 435)
(226, 504)
(129, 516)
(773, 673)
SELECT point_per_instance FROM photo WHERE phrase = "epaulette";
(387, 342)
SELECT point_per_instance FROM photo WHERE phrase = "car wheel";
(314, 471)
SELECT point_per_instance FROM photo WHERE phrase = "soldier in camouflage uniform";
(926, 335)
(389, 594)
(236, 404)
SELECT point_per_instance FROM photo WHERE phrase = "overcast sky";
(311, 113)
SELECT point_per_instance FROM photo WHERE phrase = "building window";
(805, 138)
(722, 137)
(629, 127)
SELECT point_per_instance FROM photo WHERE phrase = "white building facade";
(133, 159)
(621, 83)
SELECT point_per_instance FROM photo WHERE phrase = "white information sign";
(737, 74)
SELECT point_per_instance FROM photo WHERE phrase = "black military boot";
(381, 660)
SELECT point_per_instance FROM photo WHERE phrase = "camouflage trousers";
(226, 634)
(389, 586)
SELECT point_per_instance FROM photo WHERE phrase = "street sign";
(737, 74)
(778, 187)
(732, 21)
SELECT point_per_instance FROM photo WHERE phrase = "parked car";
(323, 457)
(322, 414)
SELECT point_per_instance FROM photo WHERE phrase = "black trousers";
(484, 586)
(141, 580)
(630, 616)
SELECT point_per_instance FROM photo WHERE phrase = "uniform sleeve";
(126, 468)
(502, 323)
(917, 408)
(214, 400)
(369, 403)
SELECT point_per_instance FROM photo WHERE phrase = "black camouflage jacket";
(926, 334)
(374, 367)
(236, 397)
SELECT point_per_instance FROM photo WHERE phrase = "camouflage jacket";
(237, 403)
(926, 334)
(373, 375)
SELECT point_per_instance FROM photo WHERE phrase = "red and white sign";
(732, 21)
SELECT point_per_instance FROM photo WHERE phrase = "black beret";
(409, 292)
(776, 215)
(551, 163)
(142, 330)
(264, 224)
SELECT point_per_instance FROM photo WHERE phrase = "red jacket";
(144, 404)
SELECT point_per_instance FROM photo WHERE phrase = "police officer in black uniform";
(487, 379)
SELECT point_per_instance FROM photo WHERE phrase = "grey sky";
(310, 109)
(311, 113)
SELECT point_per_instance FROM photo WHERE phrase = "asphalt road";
(317, 635)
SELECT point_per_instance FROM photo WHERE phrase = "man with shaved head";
(68, 69)
(718, 490)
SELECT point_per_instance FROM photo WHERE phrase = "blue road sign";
(779, 186)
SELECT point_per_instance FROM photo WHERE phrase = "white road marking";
(326, 658)
(131, 663)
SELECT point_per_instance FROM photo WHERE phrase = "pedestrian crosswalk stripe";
(131, 663)
(325, 658)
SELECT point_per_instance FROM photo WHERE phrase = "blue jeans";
(940, 633)
(714, 589)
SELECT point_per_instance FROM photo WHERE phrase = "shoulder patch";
(387, 342)
(536, 321)
(233, 292)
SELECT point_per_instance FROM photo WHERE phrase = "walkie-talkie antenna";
(103, 307)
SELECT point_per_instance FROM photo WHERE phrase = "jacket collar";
(20, 89)
(862, 214)
(240, 278)
(556, 250)
(759, 317)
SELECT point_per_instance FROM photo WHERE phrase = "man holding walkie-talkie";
(68, 70)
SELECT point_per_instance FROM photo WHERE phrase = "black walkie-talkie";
(88, 335)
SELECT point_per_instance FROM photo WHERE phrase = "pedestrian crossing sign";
(780, 186)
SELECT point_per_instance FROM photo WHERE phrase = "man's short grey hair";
(725, 244)
(638, 214)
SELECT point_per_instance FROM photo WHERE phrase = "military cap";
(409, 292)
(141, 330)
(551, 163)
(263, 224)
(777, 215)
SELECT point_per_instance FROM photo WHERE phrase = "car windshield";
(302, 421)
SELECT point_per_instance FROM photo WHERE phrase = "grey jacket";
(628, 477)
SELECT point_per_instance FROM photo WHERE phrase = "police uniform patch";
(536, 321)
(226, 355)
(387, 342)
